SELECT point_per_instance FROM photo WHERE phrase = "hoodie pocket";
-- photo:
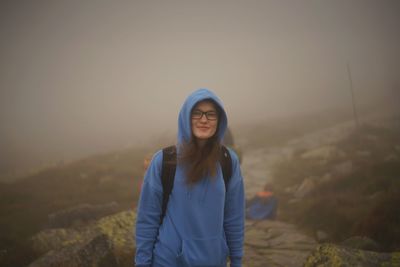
(205, 252)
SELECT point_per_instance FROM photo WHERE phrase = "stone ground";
(276, 243)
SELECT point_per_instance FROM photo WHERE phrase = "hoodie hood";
(184, 120)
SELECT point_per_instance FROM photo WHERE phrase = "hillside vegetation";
(26, 204)
(359, 202)
(351, 188)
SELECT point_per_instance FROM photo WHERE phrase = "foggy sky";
(79, 77)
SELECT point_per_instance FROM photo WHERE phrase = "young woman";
(204, 222)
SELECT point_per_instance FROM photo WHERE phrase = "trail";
(276, 243)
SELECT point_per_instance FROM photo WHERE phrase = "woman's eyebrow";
(211, 110)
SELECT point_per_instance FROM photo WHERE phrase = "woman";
(204, 222)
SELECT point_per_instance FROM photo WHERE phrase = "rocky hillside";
(341, 189)
(27, 204)
(110, 242)
(337, 189)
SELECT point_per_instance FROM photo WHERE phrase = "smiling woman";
(204, 220)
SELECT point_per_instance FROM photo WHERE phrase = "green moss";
(324, 254)
(395, 261)
(119, 228)
(333, 255)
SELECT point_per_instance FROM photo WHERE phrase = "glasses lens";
(212, 116)
(197, 114)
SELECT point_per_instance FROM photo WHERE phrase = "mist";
(79, 78)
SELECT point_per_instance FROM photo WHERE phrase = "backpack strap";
(169, 168)
(167, 176)
(226, 165)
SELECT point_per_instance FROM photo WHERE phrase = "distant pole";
(352, 96)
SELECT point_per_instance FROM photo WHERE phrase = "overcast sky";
(78, 77)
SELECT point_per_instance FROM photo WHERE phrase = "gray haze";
(82, 77)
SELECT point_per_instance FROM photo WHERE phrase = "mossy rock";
(54, 239)
(118, 229)
(333, 255)
(97, 252)
(361, 242)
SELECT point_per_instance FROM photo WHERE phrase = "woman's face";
(204, 120)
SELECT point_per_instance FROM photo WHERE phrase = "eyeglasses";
(210, 115)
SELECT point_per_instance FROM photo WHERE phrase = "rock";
(321, 236)
(377, 195)
(363, 153)
(97, 252)
(118, 229)
(305, 188)
(333, 255)
(55, 239)
(80, 213)
(391, 158)
(294, 200)
(371, 138)
(288, 153)
(326, 178)
(343, 168)
(361, 242)
(324, 153)
(290, 189)
(106, 179)
(3, 254)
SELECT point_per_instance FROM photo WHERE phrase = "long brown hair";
(200, 161)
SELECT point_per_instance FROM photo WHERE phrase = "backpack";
(169, 168)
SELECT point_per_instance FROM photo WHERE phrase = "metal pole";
(352, 96)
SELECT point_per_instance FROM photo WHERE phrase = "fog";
(85, 77)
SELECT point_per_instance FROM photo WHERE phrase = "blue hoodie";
(203, 224)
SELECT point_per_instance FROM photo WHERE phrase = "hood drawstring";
(188, 193)
(205, 190)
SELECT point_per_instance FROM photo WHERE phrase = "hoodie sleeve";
(149, 212)
(234, 213)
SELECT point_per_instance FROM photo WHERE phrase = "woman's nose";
(203, 118)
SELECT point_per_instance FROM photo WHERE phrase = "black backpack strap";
(167, 176)
(226, 165)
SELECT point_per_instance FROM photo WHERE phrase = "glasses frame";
(207, 113)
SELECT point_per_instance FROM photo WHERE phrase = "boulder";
(80, 213)
(323, 153)
(326, 178)
(55, 239)
(118, 229)
(97, 252)
(306, 187)
(321, 236)
(361, 242)
(363, 153)
(371, 138)
(391, 158)
(344, 168)
(334, 255)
